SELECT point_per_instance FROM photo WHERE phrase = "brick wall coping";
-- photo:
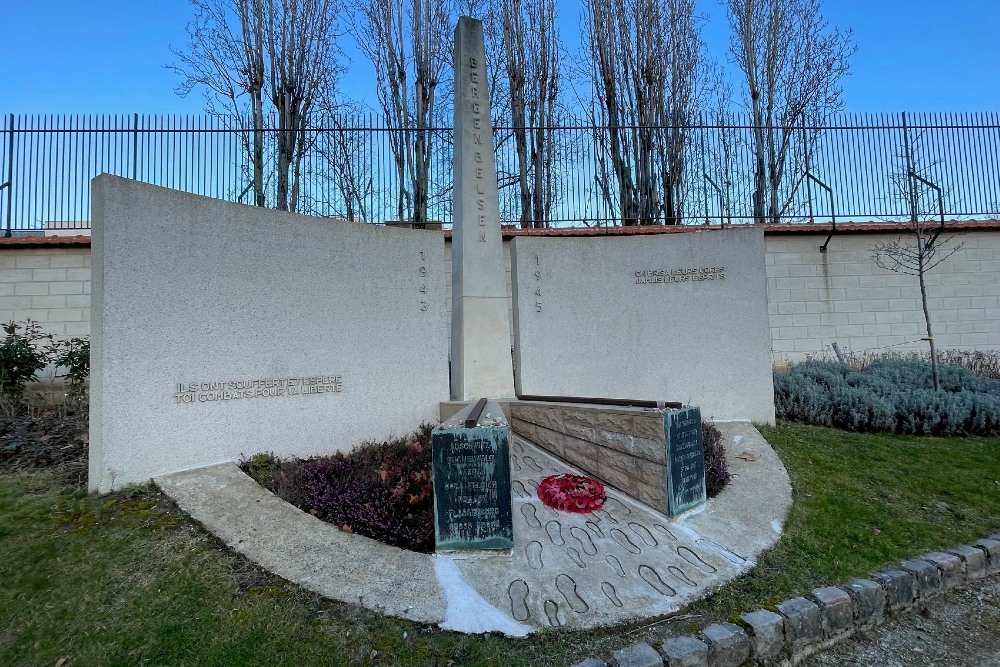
(45, 241)
(769, 229)
(509, 233)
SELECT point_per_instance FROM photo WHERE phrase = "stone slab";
(637, 655)
(974, 559)
(586, 326)
(898, 586)
(951, 567)
(472, 496)
(992, 549)
(803, 622)
(837, 609)
(685, 652)
(685, 459)
(728, 645)
(220, 330)
(767, 633)
(869, 601)
(926, 575)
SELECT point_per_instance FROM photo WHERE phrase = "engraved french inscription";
(696, 274)
(232, 390)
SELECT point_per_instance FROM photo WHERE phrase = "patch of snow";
(467, 610)
(776, 526)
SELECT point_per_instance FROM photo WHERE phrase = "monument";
(481, 363)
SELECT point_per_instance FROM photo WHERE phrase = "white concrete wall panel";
(193, 291)
(589, 324)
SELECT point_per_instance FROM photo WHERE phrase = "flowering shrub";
(572, 493)
(379, 490)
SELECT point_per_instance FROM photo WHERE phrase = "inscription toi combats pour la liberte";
(664, 276)
(229, 390)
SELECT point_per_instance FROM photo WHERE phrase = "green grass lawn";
(124, 580)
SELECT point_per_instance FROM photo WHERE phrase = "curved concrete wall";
(220, 330)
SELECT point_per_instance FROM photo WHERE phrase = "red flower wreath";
(572, 493)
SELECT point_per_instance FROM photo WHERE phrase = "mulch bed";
(50, 438)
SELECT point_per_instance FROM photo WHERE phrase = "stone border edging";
(802, 626)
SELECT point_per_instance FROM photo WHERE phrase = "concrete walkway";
(623, 563)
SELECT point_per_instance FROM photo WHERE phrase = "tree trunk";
(921, 262)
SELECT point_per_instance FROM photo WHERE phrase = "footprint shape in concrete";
(530, 462)
(554, 529)
(616, 505)
(518, 447)
(595, 529)
(611, 593)
(566, 585)
(519, 489)
(514, 464)
(652, 577)
(624, 541)
(575, 557)
(643, 533)
(615, 564)
(679, 573)
(534, 553)
(583, 537)
(552, 613)
(528, 511)
(518, 594)
(601, 514)
(533, 483)
(693, 558)
(665, 531)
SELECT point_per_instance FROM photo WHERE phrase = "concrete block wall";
(48, 284)
(815, 299)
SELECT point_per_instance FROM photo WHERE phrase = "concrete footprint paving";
(619, 564)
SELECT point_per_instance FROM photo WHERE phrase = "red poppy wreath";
(572, 493)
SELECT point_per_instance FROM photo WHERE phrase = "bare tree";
(301, 48)
(793, 63)
(385, 29)
(533, 55)
(644, 71)
(916, 255)
(246, 52)
(225, 55)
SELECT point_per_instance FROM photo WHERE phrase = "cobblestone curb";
(804, 626)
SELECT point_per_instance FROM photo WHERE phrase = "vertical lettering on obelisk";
(477, 123)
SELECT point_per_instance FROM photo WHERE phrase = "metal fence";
(349, 170)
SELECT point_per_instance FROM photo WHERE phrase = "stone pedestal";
(481, 363)
(472, 498)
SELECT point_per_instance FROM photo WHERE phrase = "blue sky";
(108, 55)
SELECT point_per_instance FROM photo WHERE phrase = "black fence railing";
(349, 170)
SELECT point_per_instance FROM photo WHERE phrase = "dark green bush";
(73, 355)
(893, 396)
(23, 352)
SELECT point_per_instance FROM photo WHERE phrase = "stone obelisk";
(481, 364)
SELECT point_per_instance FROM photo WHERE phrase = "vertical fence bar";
(10, 173)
